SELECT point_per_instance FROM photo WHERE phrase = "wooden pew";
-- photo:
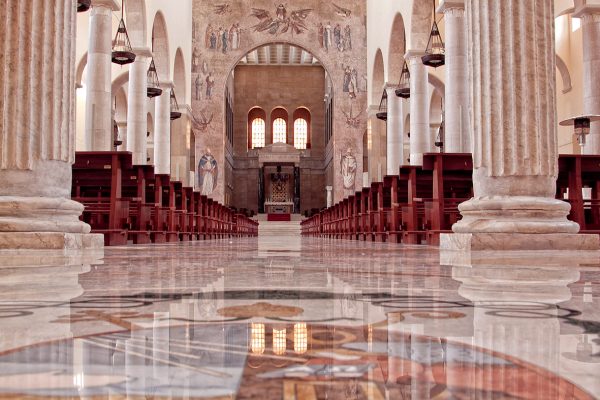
(97, 184)
(420, 191)
(452, 175)
(135, 184)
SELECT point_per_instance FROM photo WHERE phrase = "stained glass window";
(300, 133)
(279, 131)
(258, 133)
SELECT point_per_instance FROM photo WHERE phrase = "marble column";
(137, 109)
(329, 190)
(458, 139)
(98, 122)
(37, 128)
(420, 135)
(395, 131)
(162, 130)
(590, 29)
(515, 156)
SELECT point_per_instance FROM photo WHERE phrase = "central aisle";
(286, 317)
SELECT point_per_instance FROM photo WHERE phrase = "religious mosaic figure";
(347, 78)
(328, 38)
(347, 38)
(208, 37)
(321, 34)
(294, 23)
(210, 83)
(196, 60)
(199, 84)
(234, 36)
(224, 40)
(337, 37)
(213, 41)
(208, 172)
(349, 165)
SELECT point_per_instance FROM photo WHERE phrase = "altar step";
(282, 229)
(294, 218)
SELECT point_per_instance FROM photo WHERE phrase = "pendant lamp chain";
(122, 52)
(435, 53)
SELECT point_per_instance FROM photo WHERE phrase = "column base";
(467, 242)
(50, 241)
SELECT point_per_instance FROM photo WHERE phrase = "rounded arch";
(120, 104)
(119, 81)
(564, 74)
(160, 47)
(301, 135)
(328, 65)
(378, 78)
(179, 77)
(420, 24)
(80, 69)
(279, 132)
(257, 139)
(397, 48)
(437, 84)
(135, 11)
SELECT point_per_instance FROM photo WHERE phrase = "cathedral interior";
(241, 199)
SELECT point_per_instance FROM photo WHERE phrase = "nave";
(286, 317)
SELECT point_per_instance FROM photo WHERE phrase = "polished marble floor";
(290, 318)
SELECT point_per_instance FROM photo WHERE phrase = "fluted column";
(590, 29)
(37, 126)
(162, 130)
(457, 133)
(513, 118)
(420, 135)
(395, 130)
(137, 113)
(98, 122)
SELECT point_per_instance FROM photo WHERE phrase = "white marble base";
(518, 241)
(50, 241)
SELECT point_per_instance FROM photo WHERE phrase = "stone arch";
(179, 77)
(397, 48)
(135, 12)
(420, 24)
(80, 69)
(564, 74)
(437, 84)
(119, 81)
(160, 47)
(120, 105)
(378, 78)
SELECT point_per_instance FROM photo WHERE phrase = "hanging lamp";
(582, 126)
(403, 89)
(175, 113)
(122, 52)
(153, 82)
(435, 53)
(83, 5)
(383, 106)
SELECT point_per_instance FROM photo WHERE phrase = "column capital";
(450, 5)
(142, 51)
(583, 10)
(168, 85)
(111, 4)
(410, 54)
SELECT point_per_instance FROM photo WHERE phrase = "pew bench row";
(130, 203)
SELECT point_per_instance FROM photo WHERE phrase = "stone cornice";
(142, 51)
(112, 4)
(413, 54)
(583, 10)
(448, 5)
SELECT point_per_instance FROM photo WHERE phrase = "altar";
(279, 207)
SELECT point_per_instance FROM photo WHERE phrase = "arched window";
(258, 133)
(279, 131)
(300, 133)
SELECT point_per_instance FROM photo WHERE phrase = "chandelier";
(435, 51)
(122, 53)
(153, 82)
(83, 5)
(403, 89)
(383, 107)
(175, 113)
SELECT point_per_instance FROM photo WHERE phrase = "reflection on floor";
(290, 318)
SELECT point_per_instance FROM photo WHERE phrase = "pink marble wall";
(249, 26)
